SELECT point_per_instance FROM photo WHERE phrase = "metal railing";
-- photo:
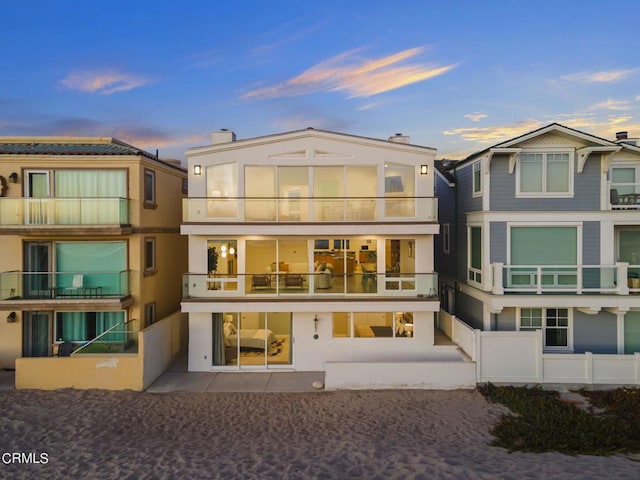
(310, 209)
(197, 285)
(624, 196)
(63, 211)
(18, 285)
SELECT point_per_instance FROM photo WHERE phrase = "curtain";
(74, 326)
(104, 259)
(218, 339)
(107, 320)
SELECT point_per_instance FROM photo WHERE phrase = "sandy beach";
(344, 434)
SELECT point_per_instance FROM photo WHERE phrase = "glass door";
(36, 334)
(37, 278)
(36, 190)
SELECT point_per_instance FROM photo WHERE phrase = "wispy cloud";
(606, 76)
(614, 105)
(105, 82)
(204, 59)
(494, 133)
(358, 77)
(476, 117)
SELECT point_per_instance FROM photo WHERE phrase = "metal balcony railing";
(318, 284)
(63, 211)
(310, 209)
(17, 285)
(624, 196)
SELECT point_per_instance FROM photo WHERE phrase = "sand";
(358, 434)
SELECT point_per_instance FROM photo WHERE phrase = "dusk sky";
(456, 76)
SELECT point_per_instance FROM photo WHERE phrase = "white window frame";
(474, 275)
(544, 193)
(544, 327)
(476, 169)
(446, 238)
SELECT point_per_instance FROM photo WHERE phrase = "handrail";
(103, 334)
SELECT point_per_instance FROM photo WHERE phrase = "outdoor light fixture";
(13, 178)
(11, 318)
(424, 169)
(197, 169)
(315, 325)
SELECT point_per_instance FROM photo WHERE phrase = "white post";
(622, 269)
(539, 358)
(498, 286)
(588, 358)
(636, 357)
(477, 354)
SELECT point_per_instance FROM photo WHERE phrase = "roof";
(444, 167)
(97, 146)
(311, 129)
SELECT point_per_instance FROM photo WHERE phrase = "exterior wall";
(591, 243)
(586, 189)
(469, 309)
(506, 320)
(445, 264)
(10, 339)
(594, 333)
(498, 243)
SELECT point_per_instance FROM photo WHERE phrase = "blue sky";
(457, 76)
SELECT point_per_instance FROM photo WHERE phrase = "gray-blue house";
(542, 232)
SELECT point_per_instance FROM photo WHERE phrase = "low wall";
(161, 343)
(400, 375)
(107, 372)
(158, 346)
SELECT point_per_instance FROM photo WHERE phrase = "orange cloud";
(355, 76)
(494, 133)
(599, 77)
(103, 83)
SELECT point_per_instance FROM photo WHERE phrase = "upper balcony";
(317, 285)
(23, 290)
(618, 279)
(310, 209)
(624, 196)
(63, 212)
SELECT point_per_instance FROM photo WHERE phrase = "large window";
(554, 323)
(544, 246)
(90, 183)
(85, 326)
(149, 255)
(545, 174)
(399, 190)
(477, 178)
(222, 188)
(475, 254)
(373, 324)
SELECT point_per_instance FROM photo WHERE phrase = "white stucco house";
(313, 251)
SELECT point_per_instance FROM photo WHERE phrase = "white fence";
(517, 357)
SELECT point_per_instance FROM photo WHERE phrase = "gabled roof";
(309, 131)
(541, 131)
(73, 146)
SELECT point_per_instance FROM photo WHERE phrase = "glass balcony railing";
(311, 209)
(63, 211)
(310, 284)
(18, 285)
(624, 196)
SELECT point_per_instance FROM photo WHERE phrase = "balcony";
(310, 209)
(16, 286)
(619, 279)
(63, 211)
(624, 196)
(317, 285)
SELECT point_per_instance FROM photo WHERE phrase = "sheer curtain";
(93, 195)
(218, 339)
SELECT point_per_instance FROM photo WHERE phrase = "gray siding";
(586, 189)
(469, 310)
(591, 243)
(467, 203)
(498, 239)
(506, 320)
(594, 333)
(445, 264)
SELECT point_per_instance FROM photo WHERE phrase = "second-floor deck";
(618, 279)
(624, 196)
(18, 286)
(63, 211)
(309, 285)
(310, 209)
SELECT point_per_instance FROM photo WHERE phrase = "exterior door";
(37, 189)
(37, 278)
(36, 334)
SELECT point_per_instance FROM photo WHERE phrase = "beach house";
(313, 251)
(540, 253)
(89, 234)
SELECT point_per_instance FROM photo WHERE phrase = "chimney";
(400, 138)
(223, 136)
(621, 136)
